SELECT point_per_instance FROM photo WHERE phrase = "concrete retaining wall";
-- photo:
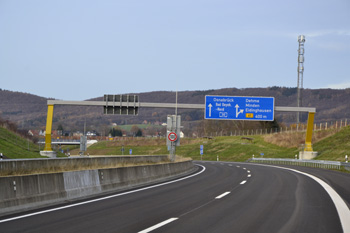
(34, 166)
(19, 193)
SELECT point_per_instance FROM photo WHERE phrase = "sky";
(82, 49)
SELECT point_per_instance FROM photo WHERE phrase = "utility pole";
(301, 40)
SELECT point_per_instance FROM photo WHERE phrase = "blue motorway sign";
(239, 108)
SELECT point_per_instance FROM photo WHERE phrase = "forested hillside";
(29, 111)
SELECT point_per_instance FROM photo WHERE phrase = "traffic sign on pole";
(174, 125)
(172, 137)
(239, 108)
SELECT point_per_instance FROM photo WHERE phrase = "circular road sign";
(172, 136)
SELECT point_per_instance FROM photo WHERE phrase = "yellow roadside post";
(308, 138)
(48, 128)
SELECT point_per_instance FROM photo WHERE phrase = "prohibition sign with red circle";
(172, 136)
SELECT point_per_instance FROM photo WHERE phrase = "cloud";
(335, 46)
(329, 39)
(311, 34)
(339, 85)
(321, 33)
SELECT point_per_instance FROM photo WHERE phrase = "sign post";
(173, 133)
(83, 144)
(172, 137)
(239, 108)
(201, 151)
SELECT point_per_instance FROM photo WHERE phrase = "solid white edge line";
(102, 198)
(222, 195)
(158, 225)
(340, 205)
(243, 182)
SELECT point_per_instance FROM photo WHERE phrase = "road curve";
(225, 197)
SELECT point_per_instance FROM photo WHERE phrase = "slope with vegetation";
(15, 146)
(228, 148)
(330, 144)
(334, 147)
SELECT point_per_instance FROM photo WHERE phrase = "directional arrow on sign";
(210, 106)
(238, 112)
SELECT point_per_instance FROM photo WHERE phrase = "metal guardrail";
(302, 162)
(346, 166)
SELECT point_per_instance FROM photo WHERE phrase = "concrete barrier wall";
(27, 190)
(49, 165)
(19, 193)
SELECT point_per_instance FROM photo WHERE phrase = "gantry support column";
(308, 152)
(47, 149)
(309, 129)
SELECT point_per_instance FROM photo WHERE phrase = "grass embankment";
(296, 139)
(14, 146)
(139, 146)
(232, 148)
(330, 145)
(334, 147)
(236, 149)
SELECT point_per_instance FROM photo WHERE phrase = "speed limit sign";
(172, 137)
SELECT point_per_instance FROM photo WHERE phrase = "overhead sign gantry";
(256, 108)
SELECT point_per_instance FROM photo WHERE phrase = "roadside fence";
(332, 125)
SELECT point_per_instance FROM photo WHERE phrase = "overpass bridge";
(62, 142)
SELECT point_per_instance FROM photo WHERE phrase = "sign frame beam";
(51, 103)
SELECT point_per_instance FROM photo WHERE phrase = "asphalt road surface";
(220, 197)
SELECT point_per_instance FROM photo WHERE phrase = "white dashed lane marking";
(222, 195)
(158, 225)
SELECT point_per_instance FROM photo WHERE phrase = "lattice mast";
(301, 40)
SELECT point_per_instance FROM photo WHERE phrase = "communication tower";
(301, 40)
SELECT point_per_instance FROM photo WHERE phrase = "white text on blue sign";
(239, 108)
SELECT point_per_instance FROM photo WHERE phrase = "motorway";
(219, 197)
